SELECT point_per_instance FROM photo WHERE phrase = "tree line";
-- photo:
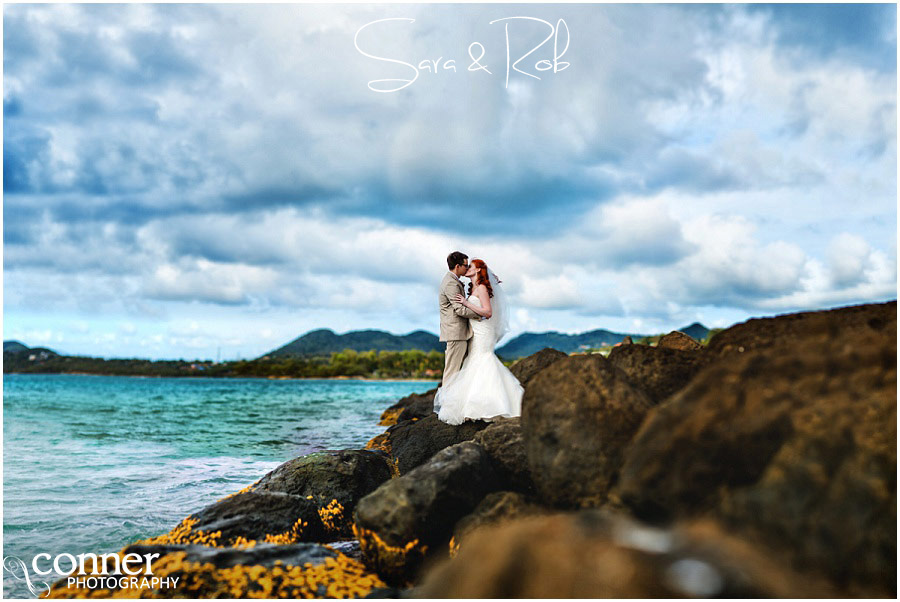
(347, 363)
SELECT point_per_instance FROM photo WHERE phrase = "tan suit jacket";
(454, 315)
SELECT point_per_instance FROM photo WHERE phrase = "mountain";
(696, 331)
(13, 347)
(531, 342)
(17, 348)
(324, 342)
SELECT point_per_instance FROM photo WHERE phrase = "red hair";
(481, 270)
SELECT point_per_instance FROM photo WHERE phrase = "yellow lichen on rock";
(332, 515)
(381, 442)
(292, 535)
(389, 416)
(243, 542)
(184, 532)
(389, 559)
(340, 577)
(240, 491)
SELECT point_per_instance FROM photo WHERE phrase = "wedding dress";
(483, 388)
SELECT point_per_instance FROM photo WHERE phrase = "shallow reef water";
(94, 463)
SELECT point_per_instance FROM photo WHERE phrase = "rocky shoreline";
(761, 465)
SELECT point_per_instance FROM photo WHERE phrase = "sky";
(212, 181)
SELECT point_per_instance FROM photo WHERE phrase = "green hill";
(13, 347)
(531, 342)
(325, 342)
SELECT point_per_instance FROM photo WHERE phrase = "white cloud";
(228, 163)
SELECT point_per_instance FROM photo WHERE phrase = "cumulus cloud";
(229, 163)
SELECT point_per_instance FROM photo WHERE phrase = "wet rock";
(525, 368)
(382, 443)
(793, 444)
(265, 554)
(253, 516)
(844, 323)
(349, 548)
(263, 571)
(578, 415)
(658, 371)
(417, 405)
(413, 515)
(493, 509)
(679, 340)
(413, 442)
(335, 480)
(592, 554)
(504, 443)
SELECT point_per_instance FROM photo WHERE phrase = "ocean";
(92, 463)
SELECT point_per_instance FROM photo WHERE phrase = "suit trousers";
(453, 358)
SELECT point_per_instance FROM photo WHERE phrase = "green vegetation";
(713, 332)
(368, 364)
(347, 363)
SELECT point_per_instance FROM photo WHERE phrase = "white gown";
(483, 388)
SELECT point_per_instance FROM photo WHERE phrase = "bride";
(483, 388)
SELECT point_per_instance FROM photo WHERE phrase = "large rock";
(658, 371)
(335, 480)
(578, 414)
(264, 554)
(679, 340)
(412, 516)
(794, 444)
(261, 516)
(263, 571)
(845, 322)
(504, 443)
(525, 368)
(413, 442)
(593, 554)
(495, 508)
(417, 405)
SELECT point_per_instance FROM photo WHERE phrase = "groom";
(455, 327)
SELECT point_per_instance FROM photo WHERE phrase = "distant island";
(323, 342)
(322, 353)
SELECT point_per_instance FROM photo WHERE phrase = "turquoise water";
(92, 463)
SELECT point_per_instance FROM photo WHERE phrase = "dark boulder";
(525, 368)
(262, 571)
(413, 515)
(593, 554)
(413, 442)
(658, 371)
(679, 340)
(844, 323)
(335, 480)
(794, 444)
(417, 405)
(264, 554)
(267, 571)
(493, 509)
(504, 443)
(253, 516)
(578, 415)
